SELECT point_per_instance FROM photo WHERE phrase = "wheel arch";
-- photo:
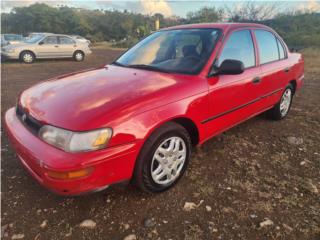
(190, 126)
(183, 121)
(294, 85)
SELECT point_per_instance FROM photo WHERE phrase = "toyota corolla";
(138, 118)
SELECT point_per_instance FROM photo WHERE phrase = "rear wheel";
(281, 109)
(27, 57)
(78, 56)
(163, 158)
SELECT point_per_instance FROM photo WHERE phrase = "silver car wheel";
(285, 102)
(168, 160)
(79, 56)
(27, 57)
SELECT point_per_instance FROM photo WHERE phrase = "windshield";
(180, 51)
(34, 39)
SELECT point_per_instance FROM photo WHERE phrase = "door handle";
(256, 80)
(56, 46)
(287, 69)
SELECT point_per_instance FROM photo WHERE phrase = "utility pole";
(157, 23)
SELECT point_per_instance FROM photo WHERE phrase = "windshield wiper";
(147, 67)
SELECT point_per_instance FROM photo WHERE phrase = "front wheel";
(281, 109)
(27, 57)
(163, 158)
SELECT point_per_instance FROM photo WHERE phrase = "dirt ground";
(259, 180)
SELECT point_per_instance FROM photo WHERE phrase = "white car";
(47, 46)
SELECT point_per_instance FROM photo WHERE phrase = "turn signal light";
(70, 174)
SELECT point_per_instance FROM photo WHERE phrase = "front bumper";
(7, 55)
(111, 165)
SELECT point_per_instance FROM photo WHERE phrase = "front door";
(234, 98)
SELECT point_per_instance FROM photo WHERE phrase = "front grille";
(31, 123)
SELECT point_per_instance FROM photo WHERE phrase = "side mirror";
(231, 67)
(41, 43)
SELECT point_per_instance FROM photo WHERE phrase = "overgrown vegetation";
(125, 28)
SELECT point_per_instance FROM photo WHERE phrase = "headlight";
(75, 141)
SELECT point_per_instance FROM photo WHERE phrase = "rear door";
(48, 47)
(274, 66)
(67, 46)
(233, 98)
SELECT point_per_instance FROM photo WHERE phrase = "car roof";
(223, 26)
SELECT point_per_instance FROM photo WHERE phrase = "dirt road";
(259, 180)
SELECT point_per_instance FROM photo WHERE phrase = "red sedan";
(138, 118)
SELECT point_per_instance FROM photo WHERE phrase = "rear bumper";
(300, 82)
(111, 165)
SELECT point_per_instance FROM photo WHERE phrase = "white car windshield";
(179, 51)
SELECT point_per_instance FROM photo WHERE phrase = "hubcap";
(27, 57)
(79, 56)
(285, 102)
(168, 160)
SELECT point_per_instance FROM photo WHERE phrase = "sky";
(166, 7)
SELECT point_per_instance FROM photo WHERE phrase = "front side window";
(50, 40)
(267, 45)
(66, 40)
(239, 46)
(181, 51)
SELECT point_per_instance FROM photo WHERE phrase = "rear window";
(66, 40)
(267, 45)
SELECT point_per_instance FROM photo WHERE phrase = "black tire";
(78, 56)
(27, 57)
(142, 177)
(275, 112)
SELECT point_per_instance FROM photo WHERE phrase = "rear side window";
(282, 54)
(66, 40)
(50, 40)
(239, 46)
(267, 45)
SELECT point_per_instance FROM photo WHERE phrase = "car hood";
(17, 45)
(95, 98)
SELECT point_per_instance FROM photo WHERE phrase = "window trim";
(284, 50)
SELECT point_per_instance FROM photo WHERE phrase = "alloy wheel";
(27, 57)
(168, 160)
(285, 102)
